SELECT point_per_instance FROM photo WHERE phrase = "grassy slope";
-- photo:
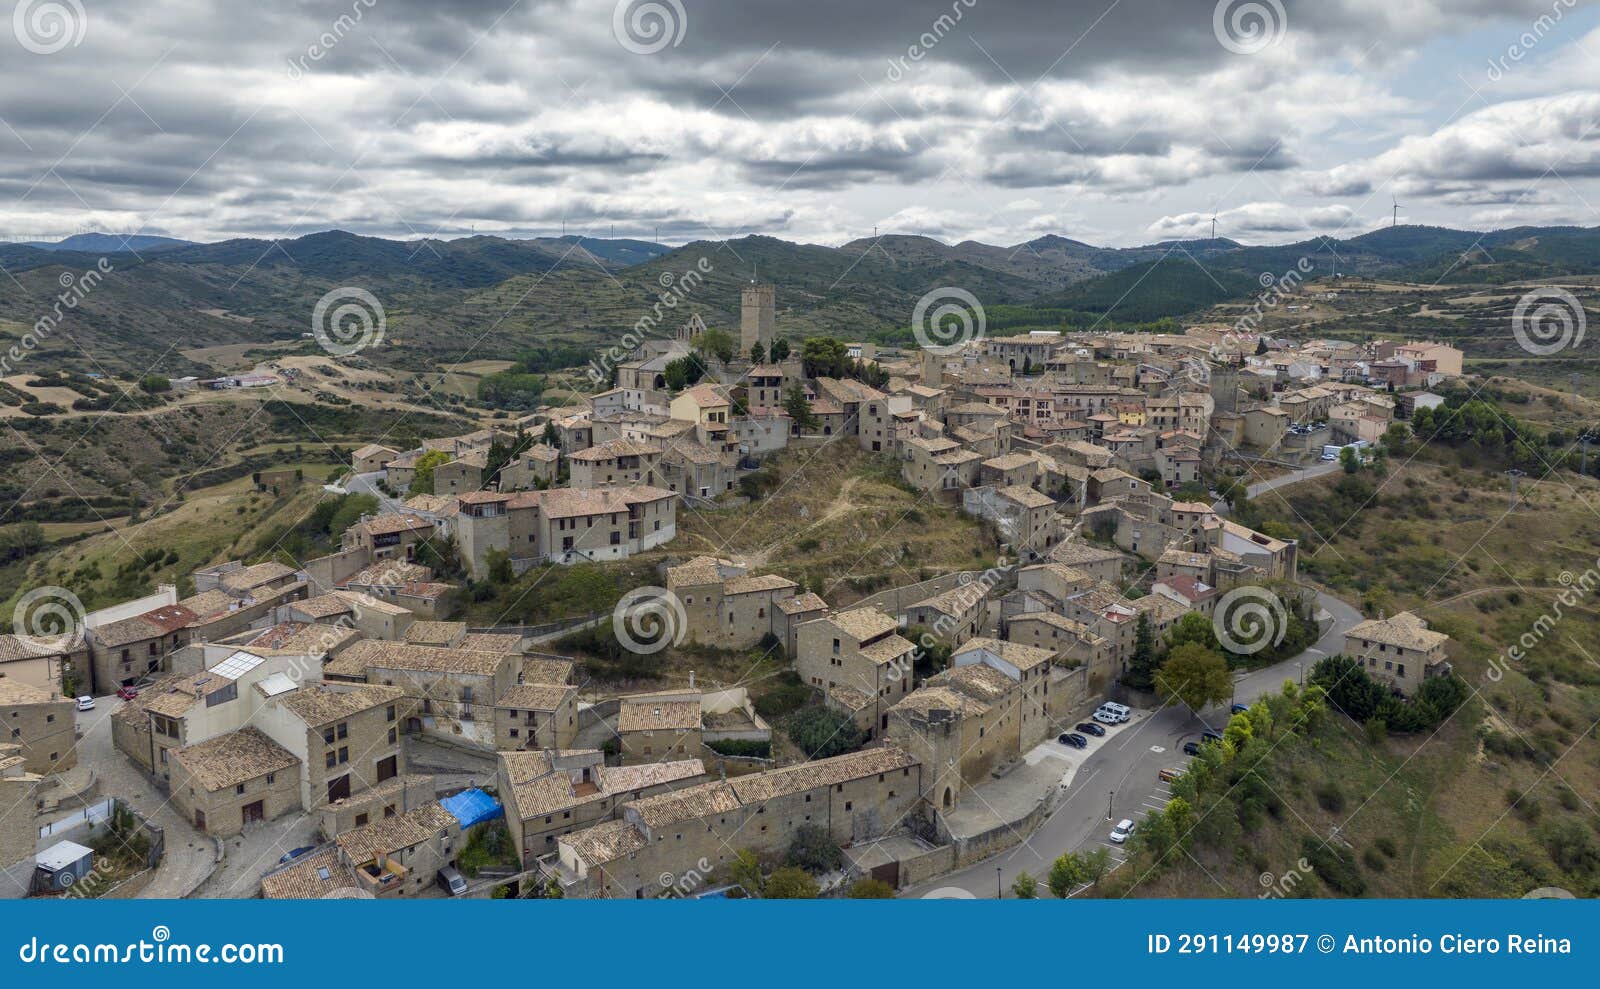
(1476, 809)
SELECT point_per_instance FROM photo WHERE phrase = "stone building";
(1402, 651)
(553, 792)
(40, 723)
(536, 716)
(726, 606)
(228, 782)
(859, 662)
(988, 709)
(563, 525)
(657, 726)
(853, 797)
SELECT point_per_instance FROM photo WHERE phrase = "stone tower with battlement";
(757, 319)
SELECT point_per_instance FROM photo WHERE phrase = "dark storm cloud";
(209, 116)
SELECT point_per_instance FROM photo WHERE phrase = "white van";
(1111, 713)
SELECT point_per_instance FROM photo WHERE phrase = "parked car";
(86, 703)
(1240, 708)
(451, 881)
(295, 853)
(1090, 728)
(1211, 735)
(1111, 713)
(1120, 833)
(1191, 748)
(127, 693)
(1074, 739)
(1168, 775)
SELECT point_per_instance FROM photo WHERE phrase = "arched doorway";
(949, 799)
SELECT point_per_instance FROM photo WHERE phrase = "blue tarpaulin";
(472, 807)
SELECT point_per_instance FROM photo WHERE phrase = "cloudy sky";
(1001, 120)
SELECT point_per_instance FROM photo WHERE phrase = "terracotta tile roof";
(309, 877)
(298, 638)
(256, 576)
(864, 623)
(534, 696)
(323, 606)
(656, 713)
(938, 697)
(385, 525)
(1018, 655)
(150, 625)
(617, 448)
(13, 648)
(688, 804)
(371, 450)
(424, 633)
(539, 789)
(760, 787)
(757, 582)
(318, 706)
(233, 758)
(802, 603)
(373, 653)
(1406, 630)
(957, 601)
(14, 692)
(700, 570)
(391, 834)
(1025, 496)
(605, 842)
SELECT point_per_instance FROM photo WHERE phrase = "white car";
(1120, 833)
(86, 703)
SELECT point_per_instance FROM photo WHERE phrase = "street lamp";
(997, 893)
(1110, 797)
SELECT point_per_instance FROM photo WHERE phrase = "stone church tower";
(756, 318)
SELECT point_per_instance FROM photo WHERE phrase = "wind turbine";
(1396, 221)
(1213, 226)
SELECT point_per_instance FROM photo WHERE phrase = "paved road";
(1118, 779)
(190, 855)
(368, 484)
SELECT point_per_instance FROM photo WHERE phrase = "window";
(239, 789)
(361, 819)
(344, 753)
(327, 736)
(49, 719)
(393, 736)
(513, 733)
(389, 714)
(272, 778)
(344, 729)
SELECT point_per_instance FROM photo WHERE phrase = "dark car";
(290, 856)
(1074, 739)
(1240, 708)
(1191, 748)
(1211, 735)
(1090, 728)
(127, 693)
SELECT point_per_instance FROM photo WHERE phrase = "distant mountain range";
(492, 297)
(109, 243)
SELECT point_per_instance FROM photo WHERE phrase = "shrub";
(814, 850)
(1335, 865)
(871, 889)
(821, 732)
(790, 883)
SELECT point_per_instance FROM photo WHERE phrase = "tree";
(1096, 864)
(780, 350)
(1261, 346)
(799, 409)
(757, 355)
(154, 383)
(745, 870)
(1066, 875)
(824, 357)
(422, 480)
(870, 889)
(814, 850)
(1193, 627)
(821, 732)
(551, 435)
(790, 883)
(1026, 887)
(498, 563)
(1349, 460)
(1142, 665)
(1196, 676)
(714, 343)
